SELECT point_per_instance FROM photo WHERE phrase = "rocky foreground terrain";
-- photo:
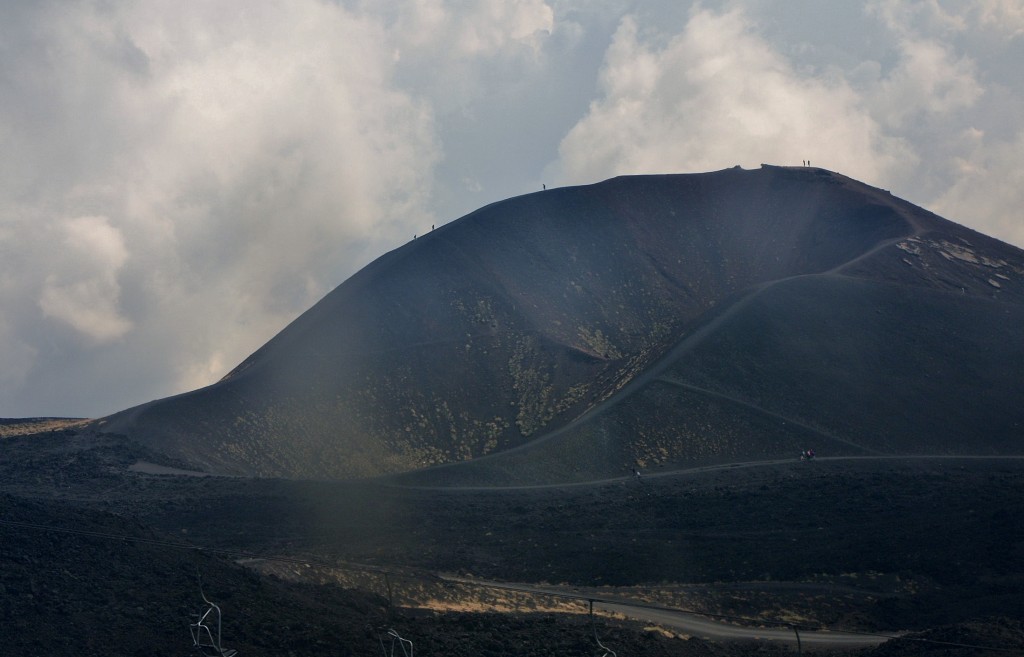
(934, 547)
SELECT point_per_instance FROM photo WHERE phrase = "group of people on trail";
(807, 455)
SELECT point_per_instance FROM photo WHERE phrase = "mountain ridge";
(522, 317)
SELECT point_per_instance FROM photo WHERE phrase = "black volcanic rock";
(668, 320)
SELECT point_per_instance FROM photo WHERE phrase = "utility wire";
(420, 575)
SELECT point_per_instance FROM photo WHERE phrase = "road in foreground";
(695, 624)
(709, 629)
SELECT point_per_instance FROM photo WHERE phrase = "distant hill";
(646, 321)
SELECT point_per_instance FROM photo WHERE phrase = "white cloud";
(473, 27)
(83, 290)
(455, 52)
(930, 15)
(228, 164)
(953, 91)
(929, 78)
(988, 187)
(200, 371)
(1005, 16)
(714, 95)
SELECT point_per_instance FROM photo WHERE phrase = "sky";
(179, 181)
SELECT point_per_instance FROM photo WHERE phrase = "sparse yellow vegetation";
(31, 426)
(599, 343)
(532, 386)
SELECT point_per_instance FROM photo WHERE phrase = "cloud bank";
(177, 182)
(175, 179)
(713, 96)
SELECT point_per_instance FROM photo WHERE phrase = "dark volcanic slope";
(653, 320)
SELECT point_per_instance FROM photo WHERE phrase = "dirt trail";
(686, 344)
(693, 623)
(784, 418)
(712, 468)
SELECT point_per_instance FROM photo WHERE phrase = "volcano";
(662, 321)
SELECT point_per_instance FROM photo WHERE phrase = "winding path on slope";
(687, 343)
(658, 368)
(760, 409)
(720, 467)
